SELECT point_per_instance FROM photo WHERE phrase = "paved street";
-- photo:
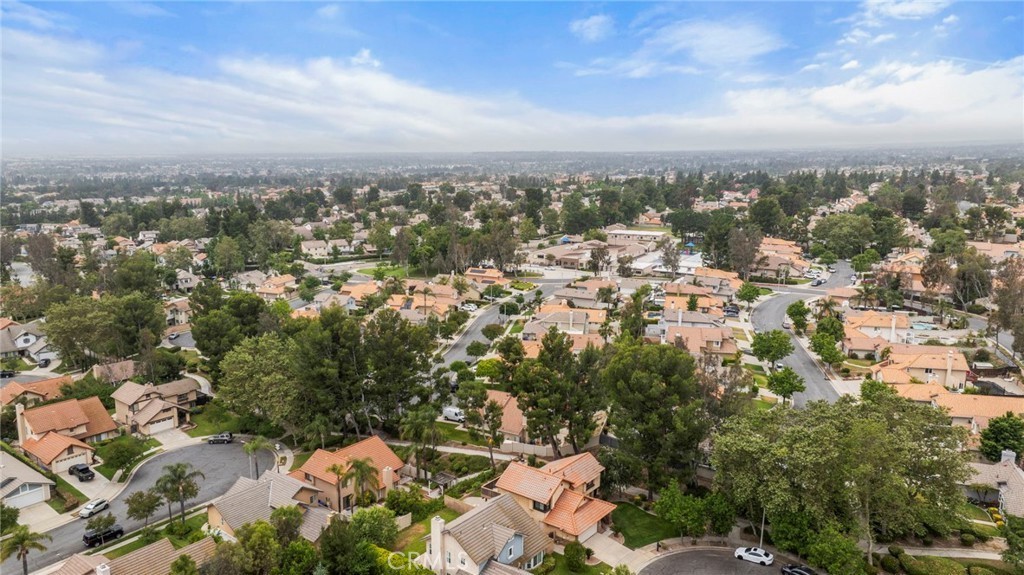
(770, 314)
(705, 562)
(222, 465)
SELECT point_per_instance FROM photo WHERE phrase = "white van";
(453, 414)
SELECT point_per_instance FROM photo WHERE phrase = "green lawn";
(762, 405)
(17, 364)
(389, 272)
(102, 451)
(740, 334)
(765, 291)
(562, 569)
(458, 435)
(754, 367)
(411, 540)
(125, 549)
(516, 328)
(988, 530)
(523, 286)
(640, 528)
(300, 459)
(64, 486)
(214, 419)
(975, 513)
(996, 567)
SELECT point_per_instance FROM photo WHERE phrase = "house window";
(538, 506)
(716, 344)
(590, 485)
(929, 370)
(448, 557)
(71, 450)
(510, 551)
(462, 560)
(182, 397)
(309, 477)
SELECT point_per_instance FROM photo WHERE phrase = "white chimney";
(570, 320)
(388, 477)
(949, 367)
(103, 569)
(1007, 456)
(19, 414)
(435, 546)
(892, 329)
(679, 317)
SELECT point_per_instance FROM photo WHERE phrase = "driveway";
(222, 465)
(770, 314)
(705, 562)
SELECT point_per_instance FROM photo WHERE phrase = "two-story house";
(315, 472)
(558, 495)
(149, 409)
(185, 281)
(925, 364)
(178, 311)
(84, 419)
(497, 537)
(699, 341)
(251, 500)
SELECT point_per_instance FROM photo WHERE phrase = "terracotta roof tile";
(61, 415)
(512, 419)
(574, 512)
(47, 388)
(372, 448)
(528, 482)
(50, 446)
(577, 469)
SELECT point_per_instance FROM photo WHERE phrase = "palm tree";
(393, 285)
(255, 445)
(426, 291)
(180, 478)
(360, 473)
(865, 294)
(825, 307)
(339, 473)
(20, 542)
(319, 427)
(414, 428)
(460, 284)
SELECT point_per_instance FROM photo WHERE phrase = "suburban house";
(23, 340)
(178, 311)
(964, 409)
(843, 296)
(277, 287)
(627, 237)
(20, 485)
(565, 319)
(117, 372)
(33, 392)
(579, 341)
(653, 219)
(314, 471)
(149, 409)
(359, 292)
(708, 304)
(251, 500)
(83, 419)
(185, 281)
(153, 559)
(909, 363)
(484, 277)
(498, 537)
(513, 422)
(558, 495)
(779, 258)
(892, 327)
(1005, 482)
(57, 452)
(717, 341)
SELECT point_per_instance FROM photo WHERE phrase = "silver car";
(93, 507)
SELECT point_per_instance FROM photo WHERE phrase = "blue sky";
(255, 77)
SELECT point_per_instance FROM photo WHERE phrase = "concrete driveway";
(705, 562)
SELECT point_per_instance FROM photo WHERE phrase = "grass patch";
(974, 513)
(754, 367)
(450, 433)
(993, 565)
(125, 549)
(17, 364)
(765, 291)
(762, 405)
(410, 539)
(639, 527)
(64, 486)
(300, 459)
(860, 362)
(761, 380)
(389, 272)
(522, 286)
(561, 568)
(740, 334)
(213, 419)
(108, 447)
(516, 328)
(987, 530)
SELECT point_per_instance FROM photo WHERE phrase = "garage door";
(162, 425)
(27, 494)
(588, 533)
(62, 465)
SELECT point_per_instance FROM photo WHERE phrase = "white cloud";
(33, 16)
(593, 29)
(715, 43)
(951, 19)
(70, 97)
(947, 23)
(364, 58)
(328, 11)
(903, 9)
(143, 10)
(851, 65)
(882, 38)
(811, 67)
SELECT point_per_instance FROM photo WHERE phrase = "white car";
(755, 555)
(93, 507)
(469, 307)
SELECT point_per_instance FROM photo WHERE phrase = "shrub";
(967, 539)
(890, 564)
(178, 529)
(976, 308)
(590, 552)
(148, 534)
(870, 356)
(895, 550)
(575, 556)
(979, 570)
(854, 356)
(870, 569)
(927, 541)
(993, 510)
(547, 566)
(912, 566)
(845, 371)
(982, 355)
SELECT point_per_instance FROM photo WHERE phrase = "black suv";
(8, 373)
(94, 538)
(797, 570)
(221, 438)
(82, 472)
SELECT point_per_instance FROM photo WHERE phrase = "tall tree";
(1005, 432)
(744, 248)
(785, 383)
(260, 378)
(19, 543)
(180, 478)
(398, 354)
(142, 505)
(771, 346)
(360, 474)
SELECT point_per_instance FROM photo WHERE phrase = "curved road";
(222, 465)
(705, 562)
(770, 314)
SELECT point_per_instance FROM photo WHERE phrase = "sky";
(134, 78)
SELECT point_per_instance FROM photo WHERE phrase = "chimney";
(388, 477)
(1008, 456)
(892, 329)
(949, 367)
(570, 320)
(19, 414)
(436, 545)
(103, 569)
(679, 317)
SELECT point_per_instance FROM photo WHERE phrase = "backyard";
(213, 419)
(638, 527)
(410, 539)
(451, 433)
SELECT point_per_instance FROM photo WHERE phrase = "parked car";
(469, 307)
(797, 570)
(93, 507)
(817, 282)
(94, 538)
(173, 336)
(221, 438)
(44, 363)
(8, 373)
(453, 414)
(82, 472)
(779, 365)
(755, 555)
(831, 270)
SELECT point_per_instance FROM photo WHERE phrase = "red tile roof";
(52, 445)
(372, 448)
